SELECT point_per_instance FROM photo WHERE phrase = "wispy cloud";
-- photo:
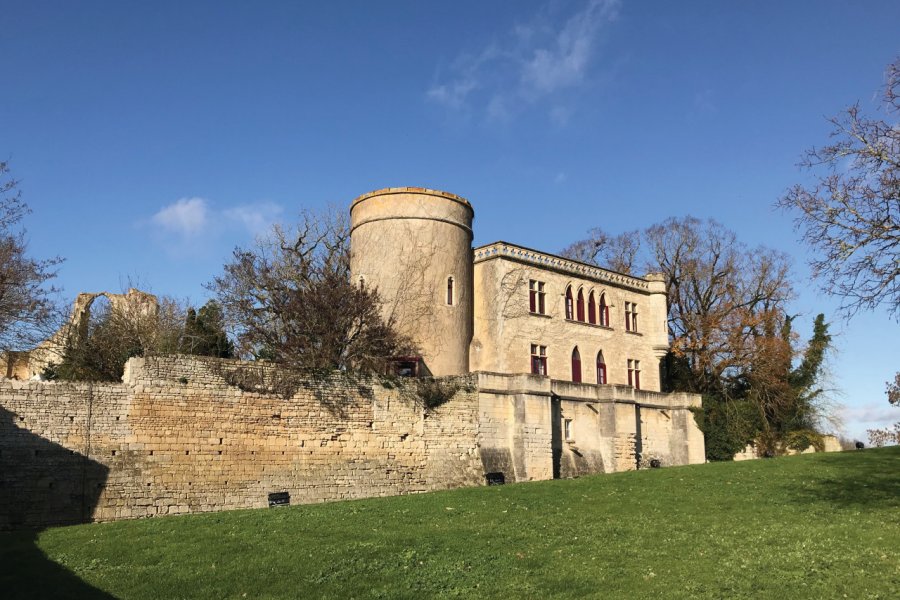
(529, 64)
(195, 225)
(257, 218)
(187, 216)
(871, 414)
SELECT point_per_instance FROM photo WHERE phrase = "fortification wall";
(176, 437)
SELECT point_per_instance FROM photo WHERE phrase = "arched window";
(449, 291)
(604, 311)
(581, 306)
(570, 313)
(592, 310)
(601, 368)
(576, 365)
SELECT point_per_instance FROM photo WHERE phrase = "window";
(604, 311)
(631, 316)
(581, 306)
(567, 430)
(449, 291)
(576, 365)
(570, 312)
(592, 310)
(634, 373)
(538, 359)
(601, 368)
(536, 297)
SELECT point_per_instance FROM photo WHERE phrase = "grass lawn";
(813, 526)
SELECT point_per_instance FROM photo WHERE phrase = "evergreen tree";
(204, 332)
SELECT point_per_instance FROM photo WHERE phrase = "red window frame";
(592, 310)
(576, 365)
(601, 369)
(580, 306)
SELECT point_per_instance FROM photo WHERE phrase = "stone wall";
(182, 435)
(176, 437)
(538, 428)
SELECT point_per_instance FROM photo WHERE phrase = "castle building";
(503, 308)
(567, 355)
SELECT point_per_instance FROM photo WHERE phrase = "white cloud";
(196, 221)
(871, 414)
(530, 63)
(187, 216)
(257, 218)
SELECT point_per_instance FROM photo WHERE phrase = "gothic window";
(576, 365)
(570, 312)
(601, 368)
(592, 310)
(581, 306)
(604, 311)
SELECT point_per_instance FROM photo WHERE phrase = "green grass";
(814, 526)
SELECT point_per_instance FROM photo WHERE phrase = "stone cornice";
(558, 263)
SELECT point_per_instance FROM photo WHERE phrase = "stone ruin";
(30, 364)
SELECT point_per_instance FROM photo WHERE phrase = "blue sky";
(151, 138)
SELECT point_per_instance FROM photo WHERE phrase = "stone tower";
(415, 246)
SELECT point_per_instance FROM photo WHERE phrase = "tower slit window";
(450, 291)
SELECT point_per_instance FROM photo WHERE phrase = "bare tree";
(722, 295)
(26, 300)
(290, 299)
(890, 435)
(614, 252)
(729, 329)
(98, 348)
(850, 216)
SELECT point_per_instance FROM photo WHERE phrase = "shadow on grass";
(28, 573)
(41, 484)
(861, 479)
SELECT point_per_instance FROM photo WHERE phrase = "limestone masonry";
(551, 367)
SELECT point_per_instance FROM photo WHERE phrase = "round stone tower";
(415, 246)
